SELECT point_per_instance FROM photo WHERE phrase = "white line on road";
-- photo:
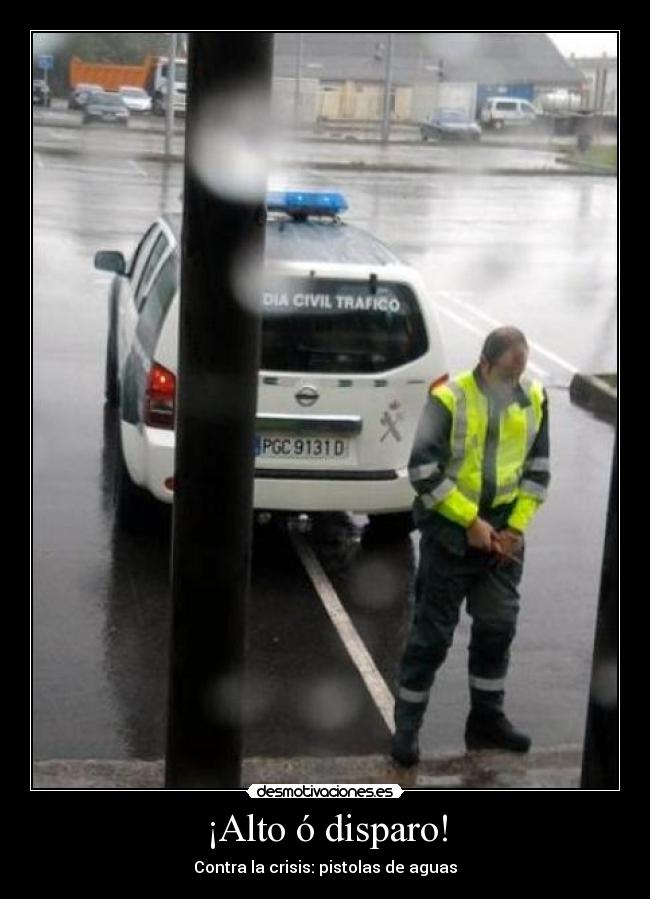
(60, 134)
(82, 169)
(346, 630)
(39, 162)
(540, 372)
(138, 168)
(497, 324)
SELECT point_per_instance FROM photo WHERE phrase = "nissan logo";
(307, 396)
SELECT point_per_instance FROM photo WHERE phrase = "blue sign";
(46, 62)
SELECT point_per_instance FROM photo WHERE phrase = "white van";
(499, 112)
(350, 345)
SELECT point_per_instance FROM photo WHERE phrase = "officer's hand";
(507, 543)
(511, 541)
(481, 535)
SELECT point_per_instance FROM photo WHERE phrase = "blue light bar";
(300, 203)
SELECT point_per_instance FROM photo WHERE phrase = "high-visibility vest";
(458, 495)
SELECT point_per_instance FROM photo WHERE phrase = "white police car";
(350, 346)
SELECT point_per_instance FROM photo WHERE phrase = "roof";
(316, 241)
(594, 62)
(481, 57)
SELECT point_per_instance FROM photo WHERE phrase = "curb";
(586, 167)
(593, 393)
(352, 166)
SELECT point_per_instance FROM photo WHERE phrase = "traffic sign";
(45, 62)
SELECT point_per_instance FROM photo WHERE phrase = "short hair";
(499, 341)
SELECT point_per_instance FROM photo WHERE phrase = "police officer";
(480, 468)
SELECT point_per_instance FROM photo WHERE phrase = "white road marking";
(540, 372)
(60, 134)
(39, 162)
(497, 324)
(82, 169)
(376, 685)
(138, 168)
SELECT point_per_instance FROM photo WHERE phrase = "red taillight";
(438, 382)
(159, 403)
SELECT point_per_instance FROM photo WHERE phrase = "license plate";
(270, 446)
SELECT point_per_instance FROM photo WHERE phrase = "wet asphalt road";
(538, 252)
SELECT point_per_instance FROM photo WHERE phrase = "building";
(600, 89)
(341, 75)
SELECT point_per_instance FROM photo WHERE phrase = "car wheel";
(498, 125)
(134, 508)
(389, 527)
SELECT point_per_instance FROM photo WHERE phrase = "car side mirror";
(110, 261)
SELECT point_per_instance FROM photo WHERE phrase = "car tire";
(498, 125)
(390, 527)
(134, 508)
(111, 383)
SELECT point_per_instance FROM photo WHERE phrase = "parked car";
(450, 124)
(80, 94)
(501, 112)
(136, 99)
(350, 345)
(105, 106)
(41, 94)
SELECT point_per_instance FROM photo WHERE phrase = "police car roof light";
(301, 204)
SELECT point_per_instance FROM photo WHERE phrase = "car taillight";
(159, 401)
(438, 382)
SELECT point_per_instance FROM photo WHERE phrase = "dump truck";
(151, 75)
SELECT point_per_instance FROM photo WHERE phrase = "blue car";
(450, 124)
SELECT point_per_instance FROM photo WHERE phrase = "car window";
(160, 245)
(156, 304)
(328, 325)
(141, 252)
(506, 105)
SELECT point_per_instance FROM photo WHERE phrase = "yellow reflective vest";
(470, 455)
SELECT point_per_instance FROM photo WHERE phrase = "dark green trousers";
(447, 576)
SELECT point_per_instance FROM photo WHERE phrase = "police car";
(350, 346)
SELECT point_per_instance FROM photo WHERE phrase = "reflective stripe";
(540, 464)
(427, 502)
(531, 427)
(472, 495)
(460, 429)
(489, 684)
(422, 472)
(413, 695)
(534, 489)
(506, 489)
(443, 490)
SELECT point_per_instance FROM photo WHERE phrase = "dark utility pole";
(600, 759)
(215, 416)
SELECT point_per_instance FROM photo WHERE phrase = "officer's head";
(503, 361)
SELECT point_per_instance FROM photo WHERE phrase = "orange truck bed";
(109, 75)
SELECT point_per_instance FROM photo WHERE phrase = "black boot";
(405, 748)
(490, 729)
